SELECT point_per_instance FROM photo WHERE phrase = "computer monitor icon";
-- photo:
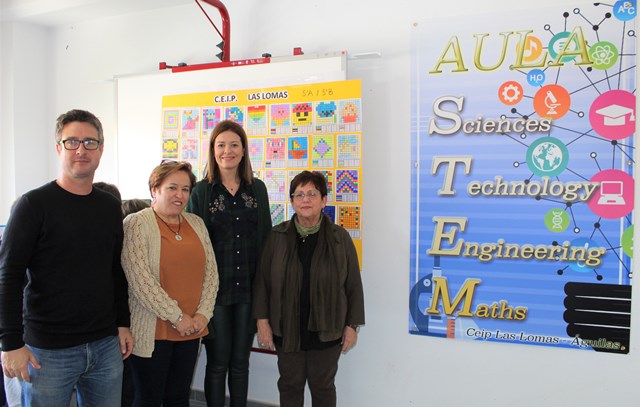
(611, 193)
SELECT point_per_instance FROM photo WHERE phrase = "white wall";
(389, 366)
(25, 111)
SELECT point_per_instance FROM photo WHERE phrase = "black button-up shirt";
(234, 220)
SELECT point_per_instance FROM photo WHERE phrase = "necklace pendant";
(178, 237)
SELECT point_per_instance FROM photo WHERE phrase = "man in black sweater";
(68, 327)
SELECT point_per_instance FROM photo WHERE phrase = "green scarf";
(305, 231)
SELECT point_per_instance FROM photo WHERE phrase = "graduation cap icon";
(616, 115)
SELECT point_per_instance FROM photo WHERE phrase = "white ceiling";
(59, 12)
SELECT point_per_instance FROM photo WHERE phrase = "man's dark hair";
(77, 115)
(110, 188)
(133, 205)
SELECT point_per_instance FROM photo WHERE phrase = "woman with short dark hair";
(308, 296)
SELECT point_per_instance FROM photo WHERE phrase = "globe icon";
(547, 156)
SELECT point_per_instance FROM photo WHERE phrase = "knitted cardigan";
(141, 264)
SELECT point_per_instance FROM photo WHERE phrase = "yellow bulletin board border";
(315, 127)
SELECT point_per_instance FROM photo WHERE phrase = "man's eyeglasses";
(300, 195)
(74, 144)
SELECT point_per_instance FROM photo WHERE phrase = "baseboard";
(198, 395)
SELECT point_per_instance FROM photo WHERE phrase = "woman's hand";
(185, 326)
(349, 339)
(199, 323)
(265, 335)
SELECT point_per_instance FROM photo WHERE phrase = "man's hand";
(126, 341)
(15, 363)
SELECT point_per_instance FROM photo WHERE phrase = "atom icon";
(602, 55)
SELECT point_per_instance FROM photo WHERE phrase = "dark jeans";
(317, 367)
(165, 378)
(228, 348)
(3, 401)
(128, 390)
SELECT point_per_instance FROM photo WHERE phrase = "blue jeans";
(94, 369)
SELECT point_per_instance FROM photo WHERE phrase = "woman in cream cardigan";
(173, 281)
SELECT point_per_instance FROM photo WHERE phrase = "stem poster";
(522, 184)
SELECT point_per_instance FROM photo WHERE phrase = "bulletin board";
(315, 127)
(139, 104)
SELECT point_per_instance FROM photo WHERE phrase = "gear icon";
(510, 93)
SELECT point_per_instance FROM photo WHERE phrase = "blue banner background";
(536, 285)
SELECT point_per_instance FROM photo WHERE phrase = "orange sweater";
(182, 265)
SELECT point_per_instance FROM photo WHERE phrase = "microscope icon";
(551, 102)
